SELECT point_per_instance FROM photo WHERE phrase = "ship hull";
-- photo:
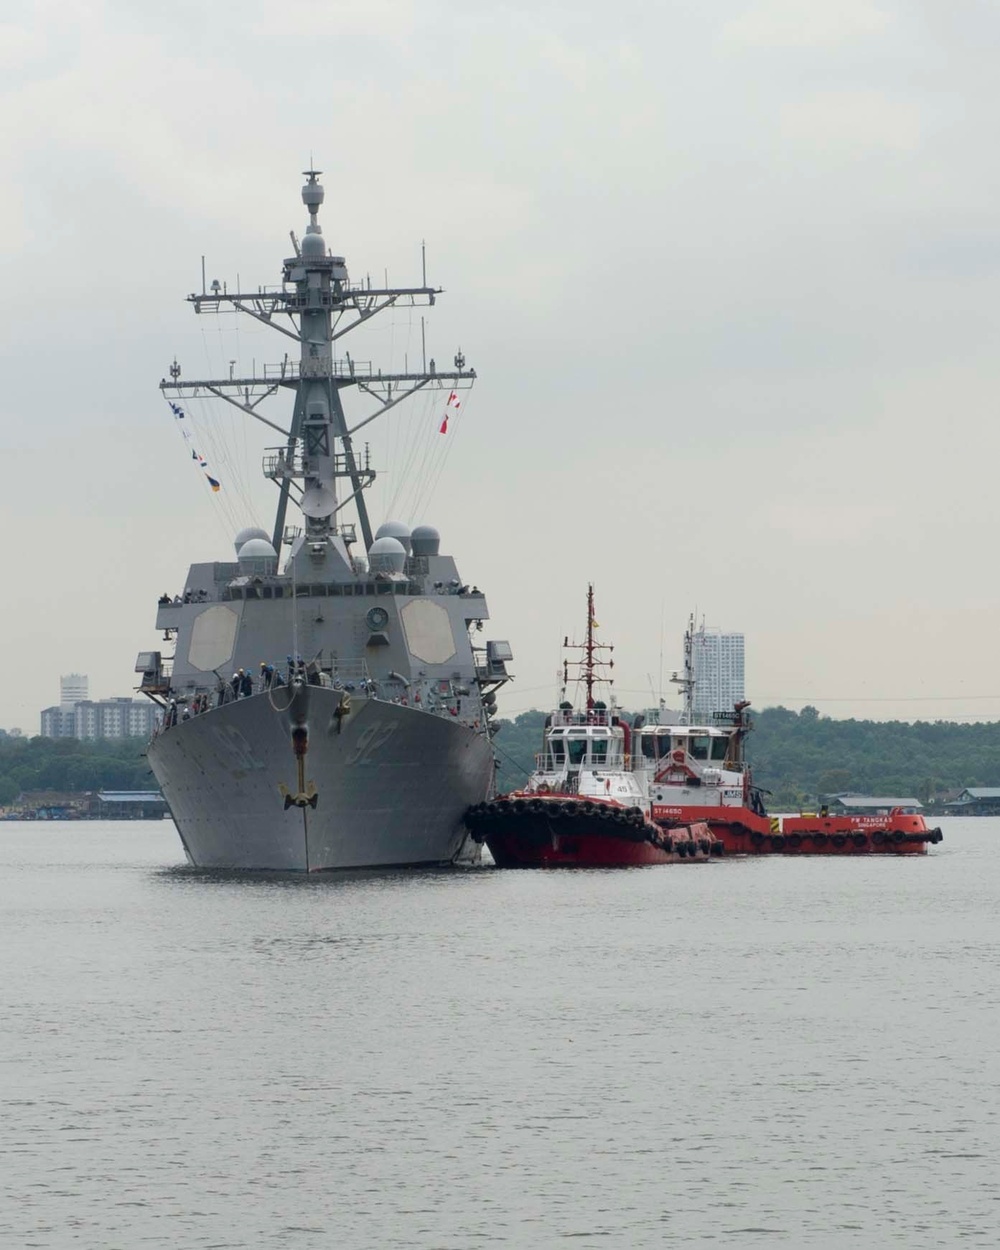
(733, 826)
(567, 833)
(743, 832)
(392, 784)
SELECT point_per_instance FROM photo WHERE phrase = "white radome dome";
(257, 549)
(386, 555)
(395, 529)
(425, 540)
(250, 531)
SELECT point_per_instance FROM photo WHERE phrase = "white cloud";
(18, 46)
(389, 21)
(805, 23)
(839, 122)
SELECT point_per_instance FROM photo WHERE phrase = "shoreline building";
(85, 718)
(73, 688)
(717, 662)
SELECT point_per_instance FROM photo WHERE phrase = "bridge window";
(576, 749)
(719, 748)
(699, 746)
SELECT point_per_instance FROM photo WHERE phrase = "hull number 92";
(371, 740)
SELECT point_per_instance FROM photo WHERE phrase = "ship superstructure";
(332, 708)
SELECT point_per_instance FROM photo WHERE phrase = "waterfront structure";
(976, 801)
(717, 659)
(88, 805)
(871, 804)
(128, 805)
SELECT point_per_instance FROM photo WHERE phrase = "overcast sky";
(727, 269)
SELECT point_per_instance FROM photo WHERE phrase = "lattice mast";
(591, 663)
(322, 307)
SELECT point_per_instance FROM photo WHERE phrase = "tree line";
(69, 764)
(803, 757)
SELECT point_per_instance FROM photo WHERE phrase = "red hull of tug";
(732, 826)
(743, 832)
(564, 832)
(897, 833)
(578, 850)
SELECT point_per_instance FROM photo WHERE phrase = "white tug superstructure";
(586, 754)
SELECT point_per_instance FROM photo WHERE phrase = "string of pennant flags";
(451, 409)
(180, 414)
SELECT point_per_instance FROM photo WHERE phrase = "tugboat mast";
(590, 663)
(322, 306)
(687, 682)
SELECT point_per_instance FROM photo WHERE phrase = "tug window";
(599, 750)
(719, 748)
(576, 749)
(699, 746)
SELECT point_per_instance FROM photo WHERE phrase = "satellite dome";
(257, 549)
(426, 541)
(313, 244)
(257, 556)
(386, 555)
(244, 536)
(395, 529)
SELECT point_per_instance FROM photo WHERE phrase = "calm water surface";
(796, 1052)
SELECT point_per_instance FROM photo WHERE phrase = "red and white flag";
(453, 402)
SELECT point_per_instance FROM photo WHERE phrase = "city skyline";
(76, 715)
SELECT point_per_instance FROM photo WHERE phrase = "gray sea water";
(773, 1052)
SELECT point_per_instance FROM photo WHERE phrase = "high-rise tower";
(717, 660)
(73, 688)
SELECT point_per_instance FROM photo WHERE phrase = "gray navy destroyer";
(364, 733)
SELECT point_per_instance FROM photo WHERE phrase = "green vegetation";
(67, 764)
(800, 756)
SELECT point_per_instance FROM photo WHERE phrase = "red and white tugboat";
(699, 773)
(696, 772)
(583, 806)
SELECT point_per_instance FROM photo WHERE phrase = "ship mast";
(687, 682)
(591, 662)
(322, 306)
